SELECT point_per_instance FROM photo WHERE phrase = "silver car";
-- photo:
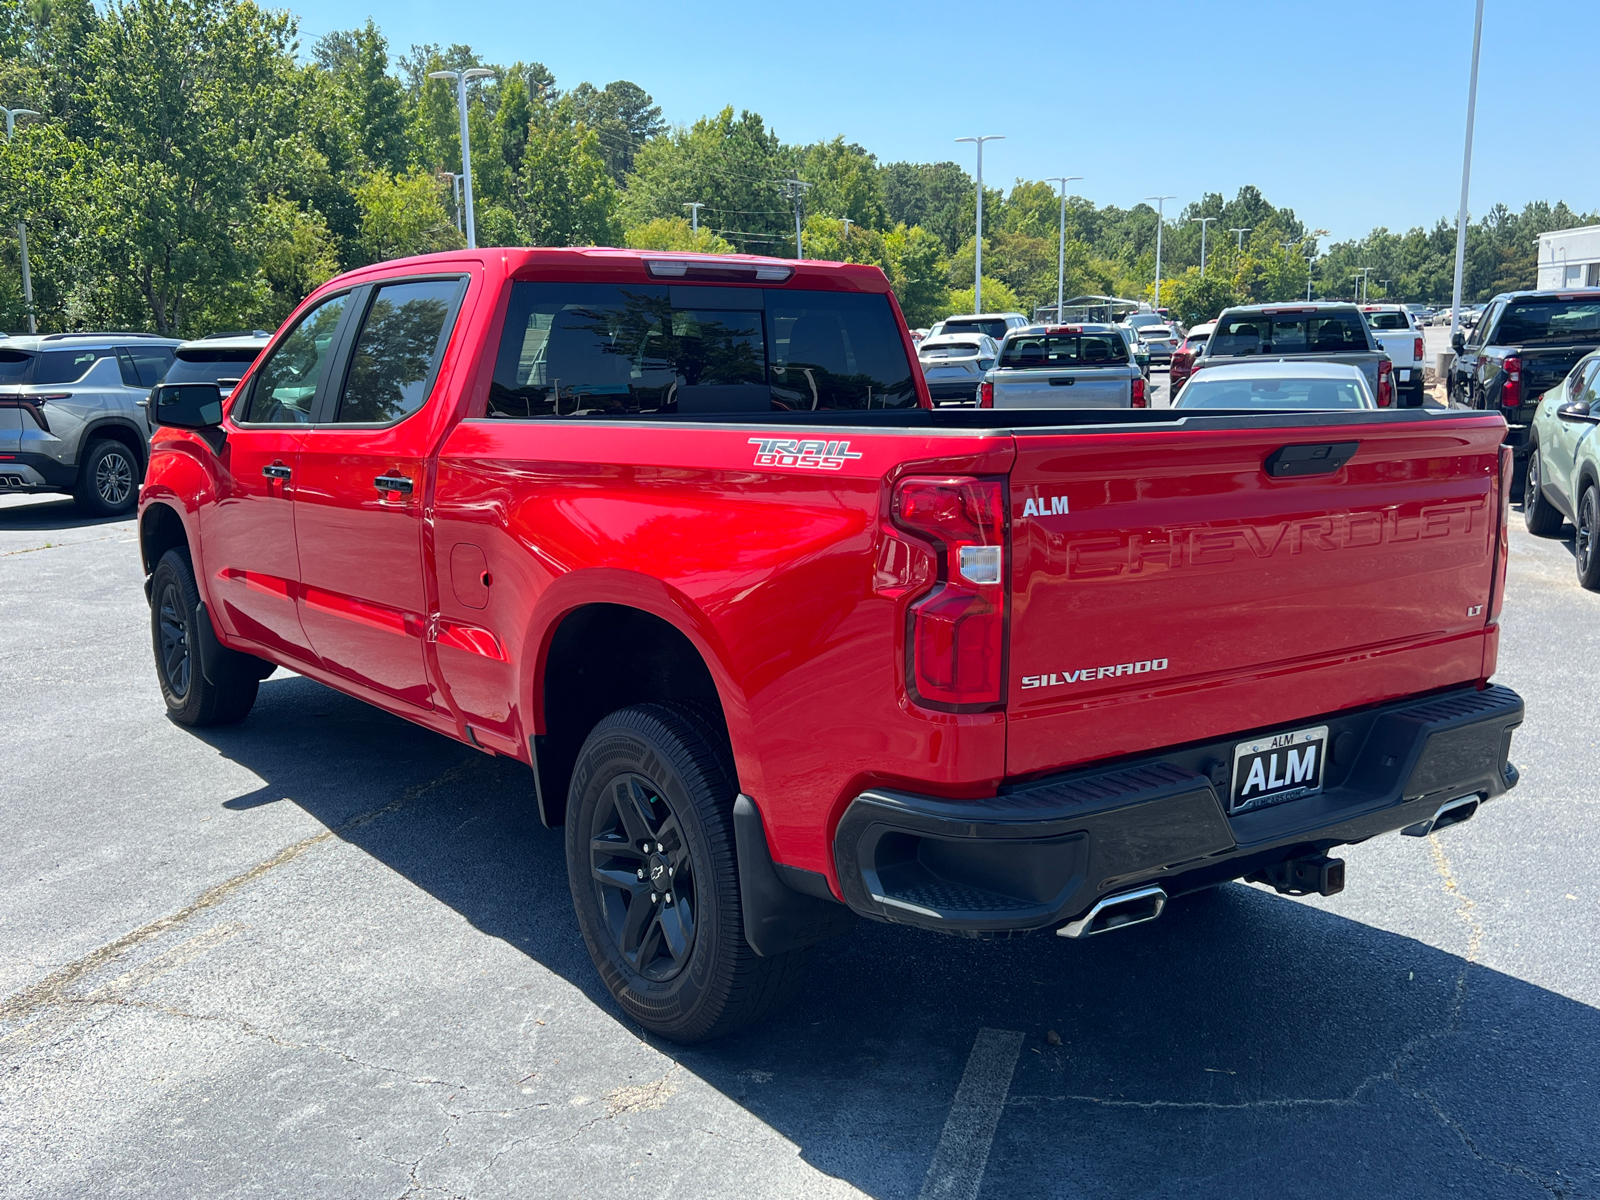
(1159, 341)
(954, 365)
(1242, 387)
(70, 419)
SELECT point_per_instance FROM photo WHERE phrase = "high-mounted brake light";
(1273, 312)
(1064, 329)
(1511, 389)
(717, 267)
(1385, 383)
(1138, 400)
(955, 637)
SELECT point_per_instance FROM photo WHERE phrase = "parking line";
(963, 1152)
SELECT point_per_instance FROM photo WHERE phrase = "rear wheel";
(175, 614)
(654, 875)
(1542, 518)
(108, 480)
(1588, 555)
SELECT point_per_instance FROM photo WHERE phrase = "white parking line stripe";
(963, 1153)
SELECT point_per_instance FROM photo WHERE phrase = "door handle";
(392, 483)
(275, 471)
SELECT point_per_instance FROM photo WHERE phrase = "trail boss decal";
(1089, 674)
(808, 455)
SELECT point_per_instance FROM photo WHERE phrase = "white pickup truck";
(1065, 366)
(1396, 331)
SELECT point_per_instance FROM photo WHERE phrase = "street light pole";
(22, 228)
(1310, 262)
(977, 260)
(1205, 223)
(694, 216)
(1061, 253)
(1466, 177)
(1160, 221)
(463, 78)
(1241, 233)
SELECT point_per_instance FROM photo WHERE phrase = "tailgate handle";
(1062, 382)
(1323, 458)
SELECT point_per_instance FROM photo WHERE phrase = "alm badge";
(1053, 506)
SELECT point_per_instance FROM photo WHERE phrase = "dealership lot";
(327, 953)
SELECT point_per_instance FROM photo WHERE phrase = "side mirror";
(187, 405)
(1575, 410)
(1457, 341)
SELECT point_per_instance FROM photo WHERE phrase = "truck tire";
(175, 613)
(1542, 518)
(108, 480)
(1588, 523)
(654, 875)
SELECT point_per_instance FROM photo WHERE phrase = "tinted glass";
(587, 349)
(392, 368)
(1548, 320)
(995, 329)
(286, 385)
(66, 366)
(1046, 350)
(1155, 331)
(951, 350)
(1204, 392)
(1388, 321)
(15, 366)
(210, 366)
(1288, 333)
(149, 364)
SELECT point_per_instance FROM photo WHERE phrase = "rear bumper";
(1041, 854)
(29, 472)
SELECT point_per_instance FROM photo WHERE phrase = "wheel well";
(605, 657)
(115, 432)
(1586, 478)
(160, 530)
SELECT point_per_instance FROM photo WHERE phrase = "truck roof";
(1288, 306)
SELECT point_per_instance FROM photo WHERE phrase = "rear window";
(1388, 321)
(1204, 392)
(995, 328)
(600, 349)
(951, 350)
(224, 367)
(1064, 350)
(1549, 320)
(1155, 331)
(1288, 333)
(15, 366)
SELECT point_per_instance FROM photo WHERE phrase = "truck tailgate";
(1063, 388)
(1171, 589)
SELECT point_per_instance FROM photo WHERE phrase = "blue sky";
(1351, 113)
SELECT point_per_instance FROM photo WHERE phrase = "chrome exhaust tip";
(1451, 812)
(1117, 912)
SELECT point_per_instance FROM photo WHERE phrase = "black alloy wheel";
(643, 877)
(192, 698)
(1588, 561)
(1542, 518)
(172, 641)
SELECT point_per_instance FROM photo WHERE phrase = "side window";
(286, 385)
(146, 364)
(1588, 381)
(1485, 323)
(66, 366)
(397, 353)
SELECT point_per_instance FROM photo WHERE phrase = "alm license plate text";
(1282, 767)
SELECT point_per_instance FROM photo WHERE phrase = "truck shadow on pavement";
(1245, 1044)
(43, 513)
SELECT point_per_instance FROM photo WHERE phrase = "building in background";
(1570, 257)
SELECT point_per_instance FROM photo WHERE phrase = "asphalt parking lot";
(325, 953)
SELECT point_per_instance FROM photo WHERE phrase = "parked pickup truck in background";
(783, 646)
(1524, 344)
(1065, 366)
(1319, 332)
(1397, 334)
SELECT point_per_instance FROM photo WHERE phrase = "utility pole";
(1241, 233)
(22, 228)
(455, 193)
(1160, 221)
(1466, 178)
(977, 261)
(795, 189)
(694, 216)
(1061, 253)
(1205, 222)
(847, 223)
(462, 78)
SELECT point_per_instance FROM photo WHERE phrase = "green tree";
(675, 233)
(623, 116)
(997, 297)
(567, 196)
(358, 59)
(936, 196)
(918, 273)
(404, 215)
(1192, 299)
(845, 182)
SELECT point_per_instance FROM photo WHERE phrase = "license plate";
(1274, 769)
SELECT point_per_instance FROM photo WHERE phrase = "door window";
(286, 385)
(397, 354)
(143, 366)
(1588, 391)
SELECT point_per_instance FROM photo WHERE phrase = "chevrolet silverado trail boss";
(784, 646)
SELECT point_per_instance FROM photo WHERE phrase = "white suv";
(70, 417)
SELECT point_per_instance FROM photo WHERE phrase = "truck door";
(362, 491)
(247, 536)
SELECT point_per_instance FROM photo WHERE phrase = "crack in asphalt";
(54, 991)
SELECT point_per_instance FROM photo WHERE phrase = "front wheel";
(1588, 555)
(108, 481)
(175, 614)
(1542, 518)
(654, 875)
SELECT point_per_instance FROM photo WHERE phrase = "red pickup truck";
(783, 645)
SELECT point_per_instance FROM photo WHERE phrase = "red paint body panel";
(1267, 598)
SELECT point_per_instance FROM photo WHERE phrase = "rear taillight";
(1385, 383)
(1511, 388)
(955, 638)
(1138, 391)
(986, 395)
(1417, 351)
(1502, 545)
